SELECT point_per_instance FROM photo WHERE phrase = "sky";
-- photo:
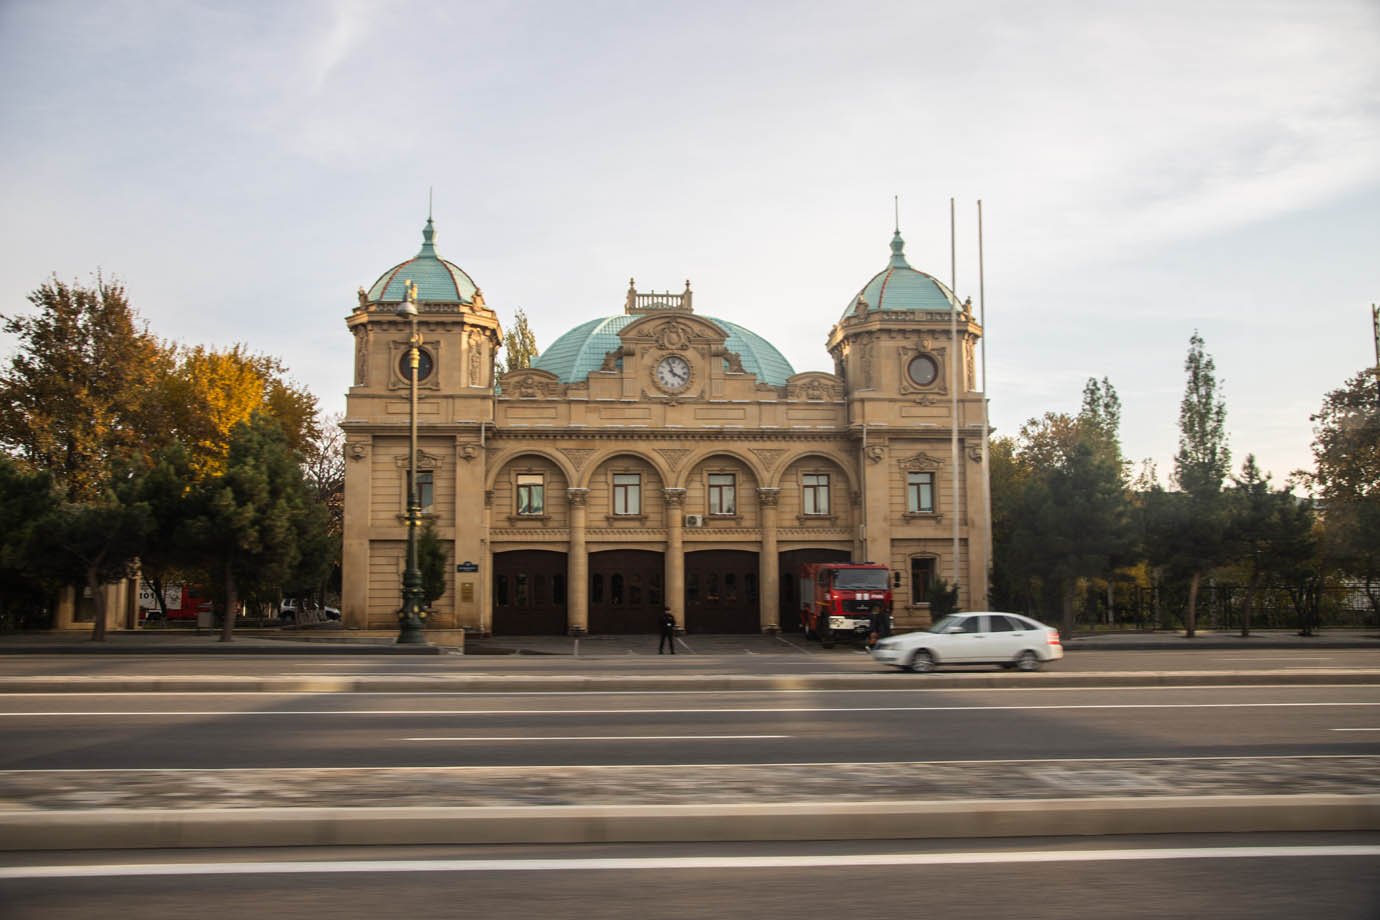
(1146, 170)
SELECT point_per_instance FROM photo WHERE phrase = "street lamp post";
(409, 618)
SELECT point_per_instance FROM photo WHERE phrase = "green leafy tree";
(520, 344)
(257, 520)
(431, 560)
(90, 543)
(167, 489)
(1271, 531)
(75, 400)
(1346, 479)
(24, 498)
(1200, 467)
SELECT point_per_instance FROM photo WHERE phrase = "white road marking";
(1023, 689)
(1355, 729)
(663, 864)
(664, 711)
(606, 738)
(1281, 658)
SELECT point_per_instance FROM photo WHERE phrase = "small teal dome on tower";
(900, 287)
(437, 280)
(581, 350)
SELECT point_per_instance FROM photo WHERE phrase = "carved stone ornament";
(768, 456)
(921, 462)
(673, 336)
(735, 362)
(469, 451)
(358, 450)
(577, 497)
(425, 461)
(674, 498)
(577, 455)
(875, 453)
(768, 498)
(675, 456)
(975, 453)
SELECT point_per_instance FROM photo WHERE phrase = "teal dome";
(437, 280)
(900, 287)
(581, 350)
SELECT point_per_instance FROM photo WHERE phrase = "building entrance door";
(721, 592)
(791, 562)
(529, 593)
(625, 591)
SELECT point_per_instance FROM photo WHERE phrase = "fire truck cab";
(839, 598)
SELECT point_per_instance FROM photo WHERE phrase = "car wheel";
(922, 662)
(1027, 661)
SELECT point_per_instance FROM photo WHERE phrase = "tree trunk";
(232, 603)
(1066, 621)
(1248, 608)
(1191, 615)
(98, 601)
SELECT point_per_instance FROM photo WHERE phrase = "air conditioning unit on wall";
(694, 520)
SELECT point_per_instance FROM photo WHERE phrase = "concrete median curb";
(489, 683)
(160, 829)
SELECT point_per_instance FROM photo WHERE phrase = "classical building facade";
(663, 457)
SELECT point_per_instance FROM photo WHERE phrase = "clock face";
(922, 370)
(424, 365)
(672, 373)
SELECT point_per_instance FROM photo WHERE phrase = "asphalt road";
(79, 731)
(724, 656)
(1266, 876)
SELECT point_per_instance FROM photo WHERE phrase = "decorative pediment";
(920, 462)
(815, 386)
(674, 456)
(425, 461)
(577, 455)
(530, 383)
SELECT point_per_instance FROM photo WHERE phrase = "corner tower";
(460, 339)
(905, 349)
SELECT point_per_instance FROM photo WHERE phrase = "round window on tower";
(922, 370)
(424, 365)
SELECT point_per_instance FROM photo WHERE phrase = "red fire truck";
(838, 598)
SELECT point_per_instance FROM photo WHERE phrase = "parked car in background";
(1008, 640)
(288, 608)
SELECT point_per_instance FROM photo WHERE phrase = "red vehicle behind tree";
(841, 598)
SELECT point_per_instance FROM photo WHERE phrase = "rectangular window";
(816, 492)
(722, 493)
(920, 493)
(627, 493)
(921, 573)
(426, 490)
(531, 493)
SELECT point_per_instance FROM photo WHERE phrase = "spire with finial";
(428, 249)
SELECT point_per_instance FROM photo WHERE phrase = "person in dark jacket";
(668, 632)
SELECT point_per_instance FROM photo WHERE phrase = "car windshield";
(861, 579)
(945, 623)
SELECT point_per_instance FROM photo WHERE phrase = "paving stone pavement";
(433, 787)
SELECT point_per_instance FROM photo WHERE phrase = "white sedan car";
(986, 637)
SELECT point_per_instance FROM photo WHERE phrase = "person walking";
(668, 632)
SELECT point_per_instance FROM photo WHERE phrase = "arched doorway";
(791, 563)
(625, 591)
(721, 592)
(529, 593)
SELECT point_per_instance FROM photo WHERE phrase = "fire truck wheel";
(922, 662)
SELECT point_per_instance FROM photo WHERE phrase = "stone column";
(675, 553)
(769, 565)
(577, 565)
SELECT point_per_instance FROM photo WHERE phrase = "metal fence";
(1222, 607)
